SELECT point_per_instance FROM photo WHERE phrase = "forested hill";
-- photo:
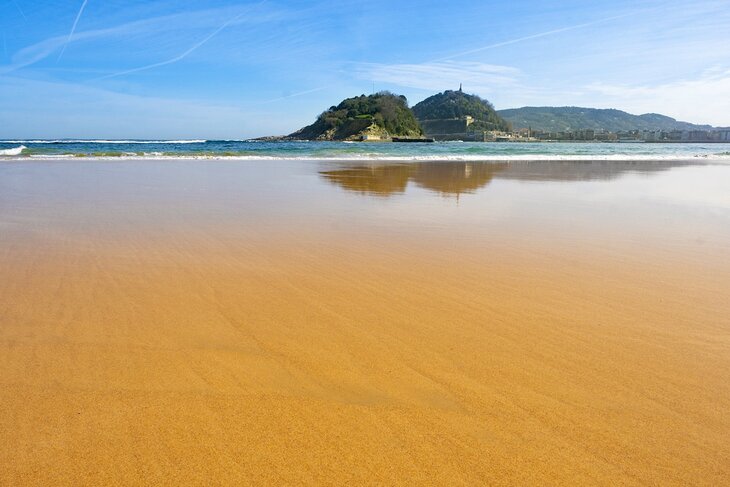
(561, 119)
(383, 115)
(457, 104)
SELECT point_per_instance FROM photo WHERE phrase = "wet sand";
(202, 322)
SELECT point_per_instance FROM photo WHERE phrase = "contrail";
(20, 10)
(184, 54)
(300, 93)
(73, 29)
(530, 37)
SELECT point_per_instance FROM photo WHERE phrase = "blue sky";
(235, 69)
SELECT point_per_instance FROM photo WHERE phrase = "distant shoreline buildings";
(588, 135)
(459, 129)
(457, 116)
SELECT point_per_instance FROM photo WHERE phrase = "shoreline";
(718, 158)
(365, 151)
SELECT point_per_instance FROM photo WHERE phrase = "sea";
(365, 151)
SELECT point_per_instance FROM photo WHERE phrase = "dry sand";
(324, 350)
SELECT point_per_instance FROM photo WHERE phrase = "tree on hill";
(457, 104)
(383, 112)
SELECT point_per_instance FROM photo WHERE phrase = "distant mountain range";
(562, 119)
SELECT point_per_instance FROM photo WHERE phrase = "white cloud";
(215, 18)
(705, 99)
(538, 35)
(185, 53)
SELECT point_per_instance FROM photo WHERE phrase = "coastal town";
(460, 129)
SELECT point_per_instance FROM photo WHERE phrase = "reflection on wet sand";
(585, 170)
(382, 180)
(450, 178)
(457, 177)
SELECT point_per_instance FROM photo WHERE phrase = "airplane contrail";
(20, 10)
(530, 37)
(73, 29)
(300, 93)
(184, 54)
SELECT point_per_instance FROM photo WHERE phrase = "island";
(455, 115)
(383, 116)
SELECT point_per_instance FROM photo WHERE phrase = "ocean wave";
(392, 158)
(103, 141)
(50, 156)
(15, 151)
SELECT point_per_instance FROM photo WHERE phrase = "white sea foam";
(102, 141)
(416, 158)
(52, 156)
(15, 151)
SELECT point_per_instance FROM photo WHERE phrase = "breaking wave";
(15, 151)
(329, 151)
(103, 141)
(392, 158)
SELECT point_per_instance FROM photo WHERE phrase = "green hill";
(381, 115)
(456, 105)
(561, 119)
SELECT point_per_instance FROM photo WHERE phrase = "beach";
(420, 322)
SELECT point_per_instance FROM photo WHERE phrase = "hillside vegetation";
(561, 119)
(383, 114)
(457, 104)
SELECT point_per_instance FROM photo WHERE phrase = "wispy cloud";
(480, 77)
(535, 36)
(293, 95)
(187, 52)
(175, 23)
(41, 50)
(705, 99)
(73, 28)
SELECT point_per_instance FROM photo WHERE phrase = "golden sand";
(193, 354)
